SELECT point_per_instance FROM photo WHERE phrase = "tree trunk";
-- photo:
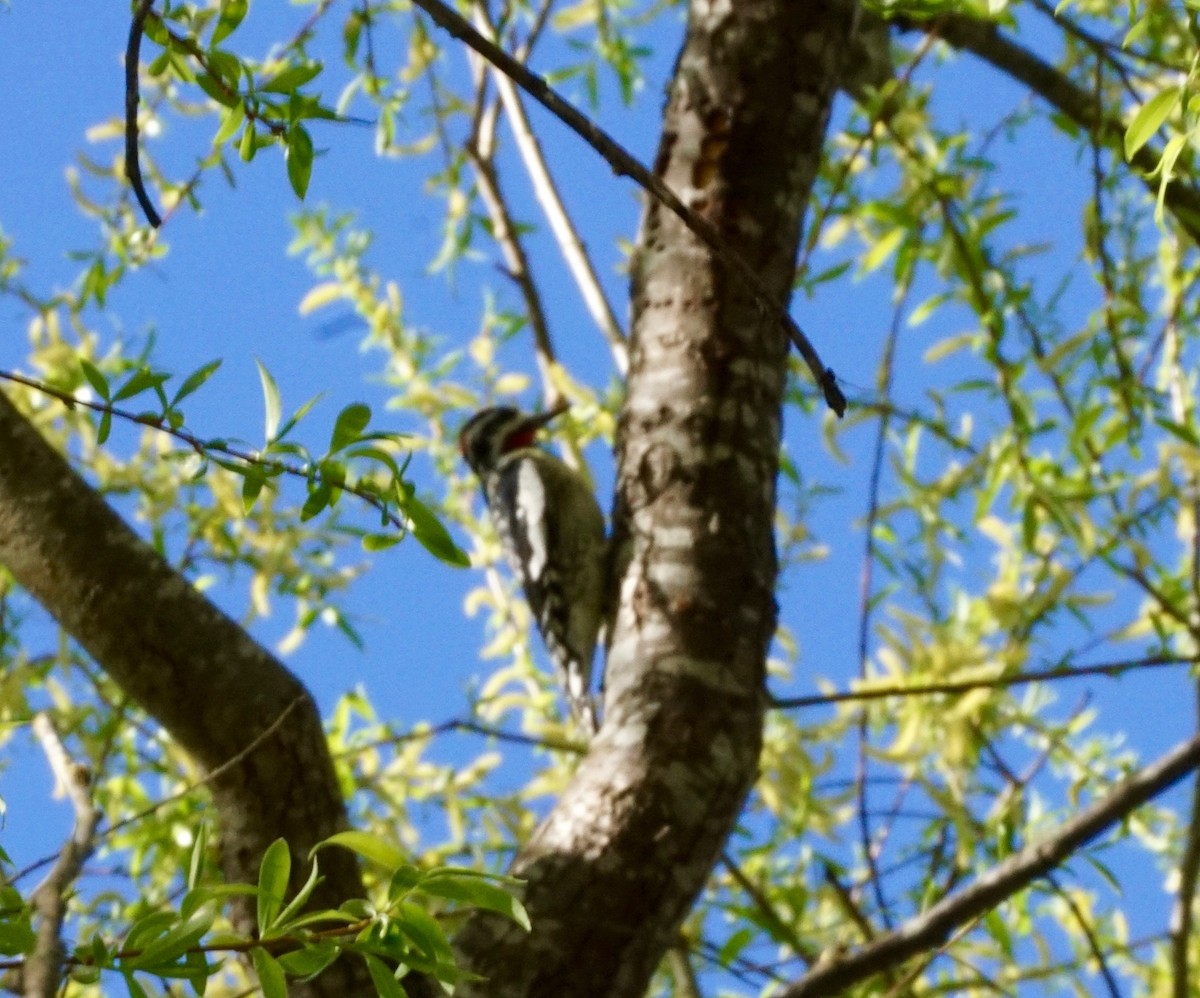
(182, 660)
(620, 860)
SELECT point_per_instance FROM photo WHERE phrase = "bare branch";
(775, 924)
(1089, 934)
(1183, 918)
(1111, 669)
(933, 927)
(133, 167)
(983, 38)
(43, 968)
(479, 151)
(623, 163)
(570, 244)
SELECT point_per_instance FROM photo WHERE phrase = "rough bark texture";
(618, 863)
(186, 663)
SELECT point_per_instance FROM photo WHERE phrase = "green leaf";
(231, 121)
(949, 345)
(291, 78)
(135, 990)
(428, 530)
(232, 13)
(333, 473)
(196, 860)
(1184, 433)
(95, 378)
(218, 90)
(141, 380)
(472, 889)
(350, 424)
(156, 31)
(299, 159)
(270, 974)
(1149, 119)
(99, 952)
(380, 455)
(195, 380)
(380, 542)
(1029, 522)
(373, 847)
(197, 970)
(298, 415)
(248, 146)
(310, 961)
(384, 980)
(176, 941)
(318, 498)
(301, 898)
(404, 879)
(252, 485)
(145, 930)
(16, 937)
(271, 403)
(423, 929)
(882, 249)
(272, 882)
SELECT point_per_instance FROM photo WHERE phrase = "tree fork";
(186, 663)
(618, 863)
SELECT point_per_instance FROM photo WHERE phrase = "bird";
(553, 535)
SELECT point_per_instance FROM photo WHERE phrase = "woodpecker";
(552, 531)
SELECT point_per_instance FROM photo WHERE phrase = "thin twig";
(985, 40)
(1112, 669)
(624, 164)
(133, 167)
(775, 924)
(203, 448)
(570, 245)
(208, 777)
(1089, 934)
(865, 602)
(929, 930)
(234, 760)
(479, 151)
(1183, 918)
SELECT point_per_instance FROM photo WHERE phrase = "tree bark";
(620, 860)
(183, 661)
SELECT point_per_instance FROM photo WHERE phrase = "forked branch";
(929, 930)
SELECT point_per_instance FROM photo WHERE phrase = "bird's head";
(493, 432)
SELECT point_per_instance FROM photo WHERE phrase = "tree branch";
(570, 245)
(42, 972)
(613, 870)
(133, 167)
(184, 661)
(1183, 918)
(623, 163)
(1111, 669)
(933, 927)
(983, 38)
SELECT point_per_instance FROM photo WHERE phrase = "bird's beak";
(538, 420)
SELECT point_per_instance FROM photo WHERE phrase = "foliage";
(1022, 473)
(190, 941)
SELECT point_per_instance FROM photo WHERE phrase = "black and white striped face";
(492, 433)
(485, 437)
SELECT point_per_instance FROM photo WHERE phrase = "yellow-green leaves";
(1149, 119)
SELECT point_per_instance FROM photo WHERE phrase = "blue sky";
(227, 289)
